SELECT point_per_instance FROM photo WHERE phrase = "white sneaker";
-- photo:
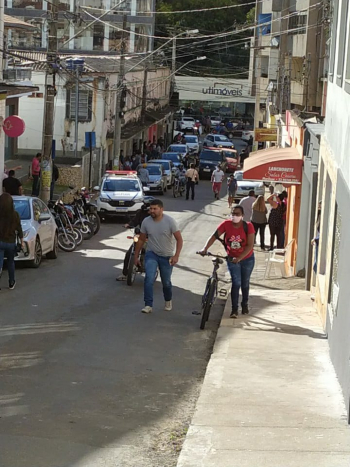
(147, 309)
(168, 306)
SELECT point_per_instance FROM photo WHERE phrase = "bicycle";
(211, 289)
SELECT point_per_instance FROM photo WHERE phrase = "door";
(44, 228)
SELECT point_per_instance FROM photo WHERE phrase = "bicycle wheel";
(130, 278)
(175, 190)
(207, 302)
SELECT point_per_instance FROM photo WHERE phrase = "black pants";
(36, 185)
(260, 228)
(190, 186)
(278, 233)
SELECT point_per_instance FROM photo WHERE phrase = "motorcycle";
(90, 209)
(132, 270)
(178, 187)
(66, 240)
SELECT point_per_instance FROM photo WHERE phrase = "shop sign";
(265, 134)
(223, 91)
(291, 174)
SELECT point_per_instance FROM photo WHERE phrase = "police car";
(120, 193)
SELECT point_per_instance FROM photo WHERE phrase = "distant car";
(233, 159)
(167, 166)
(187, 124)
(192, 142)
(245, 186)
(39, 230)
(181, 149)
(121, 193)
(174, 157)
(158, 179)
(209, 160)
(219, 141)
(215, 120)
(247, 132)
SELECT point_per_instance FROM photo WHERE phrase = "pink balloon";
(14, 126)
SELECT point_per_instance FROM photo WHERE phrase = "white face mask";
(236, 219)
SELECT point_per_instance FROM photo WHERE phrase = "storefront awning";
(282, 165)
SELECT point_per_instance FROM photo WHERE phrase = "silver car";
(39, 230)
(167, 166)
(245, 186)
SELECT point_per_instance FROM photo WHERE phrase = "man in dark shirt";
(12, 185)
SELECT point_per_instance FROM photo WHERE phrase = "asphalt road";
(87, 380)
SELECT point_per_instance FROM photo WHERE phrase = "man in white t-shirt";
(217, 178)
(247, 205)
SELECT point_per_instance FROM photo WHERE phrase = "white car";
(217, 141)
(120, 193)
(246, 134)
(215, 120)
(39, 230)
(167, 166)
(192, 142)
(245, 186)
(181, 149)
(187, 124)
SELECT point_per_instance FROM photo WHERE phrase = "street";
(87, 379)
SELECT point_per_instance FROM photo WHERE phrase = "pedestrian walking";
(217, 177)
(36, 174)
(276, 221)
(143, 174)
(10, 230)
(259, 219)
(231, 189)
(247, 204)
(192, 179)
(164, 245)
(54, 178)
(239, 243)
(12, 185)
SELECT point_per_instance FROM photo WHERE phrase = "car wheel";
(38, 254)
(54, 253)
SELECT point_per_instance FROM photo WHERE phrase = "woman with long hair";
(10, 227)
(259, 219)
(276, 220)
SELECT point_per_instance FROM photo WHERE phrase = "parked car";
(120, 193)
(247, 132)
(192, 142)
(245, 186)
(219, 141)
(215, 120)
(209, 160)
(233, 159)
(174, 157)
(181, 149)
(167, 166)
(39, 230)
(158, 179)
(187, 124)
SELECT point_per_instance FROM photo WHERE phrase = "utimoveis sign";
(223, 91)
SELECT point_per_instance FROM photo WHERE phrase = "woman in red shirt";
(239, 243)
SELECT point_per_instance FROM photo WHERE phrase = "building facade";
(332, 292)
(77, 29)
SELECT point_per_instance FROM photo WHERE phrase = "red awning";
(282, 165)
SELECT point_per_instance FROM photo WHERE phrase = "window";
(85, 105)
(334, 285)
(264, 72)
(341, 41)
(333, 41)
(297, 24)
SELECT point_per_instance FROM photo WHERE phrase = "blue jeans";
(240, 275)
(152, 263)
(8, 250)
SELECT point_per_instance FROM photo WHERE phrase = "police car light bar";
(121, 172)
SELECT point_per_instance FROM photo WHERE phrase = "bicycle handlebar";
(211, 254)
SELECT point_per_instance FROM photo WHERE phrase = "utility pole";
(256, 71)
(76, 134)
(282, 55)
(173, 67)
(49, 103)
(144, 95)
(118, 99)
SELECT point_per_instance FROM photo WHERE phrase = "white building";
(333, 276)
(228, 96)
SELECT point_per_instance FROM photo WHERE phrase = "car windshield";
(239, 176)
(171, 157)
(165, 164)
(154, 170)
(121, 185)
(177, 148)
(23, 208)
(211, 155)
(191, 139)
(221, 138)
(188, 119)
(233, 155)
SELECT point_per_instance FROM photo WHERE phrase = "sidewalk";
(270, 397)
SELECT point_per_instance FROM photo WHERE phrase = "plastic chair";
(283, 254)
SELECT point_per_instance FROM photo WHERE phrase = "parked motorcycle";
(90, 208)
(66, 240)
